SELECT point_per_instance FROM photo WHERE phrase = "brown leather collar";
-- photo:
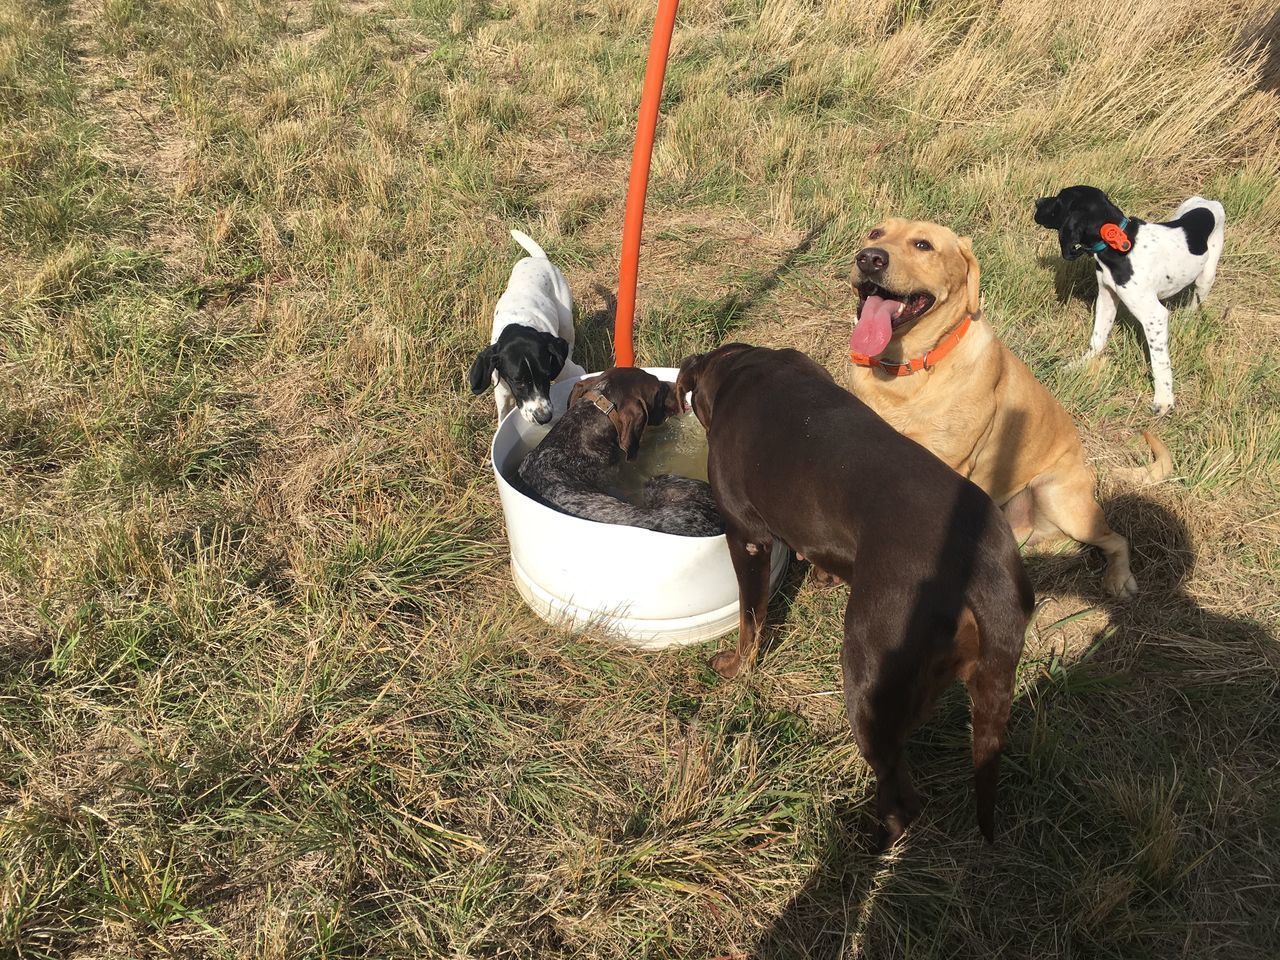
(607, 407)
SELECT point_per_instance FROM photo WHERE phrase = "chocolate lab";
(925, 360)
(574, 466)
(937, 588)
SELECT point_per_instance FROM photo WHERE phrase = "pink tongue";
(874, 329)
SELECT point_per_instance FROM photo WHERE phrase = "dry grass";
(265, 688)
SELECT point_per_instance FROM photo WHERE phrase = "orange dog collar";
(916, 364)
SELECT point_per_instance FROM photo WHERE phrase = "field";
(266, 688)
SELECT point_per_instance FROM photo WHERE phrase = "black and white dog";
(1139, 264)
(531, 346)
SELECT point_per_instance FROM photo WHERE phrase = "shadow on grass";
(1072, 279)
(594, 348)
(1113, 807)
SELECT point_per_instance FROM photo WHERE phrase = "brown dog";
(937, 587)
(925, 361)
(575, 465)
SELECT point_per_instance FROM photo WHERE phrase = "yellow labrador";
(923, 358)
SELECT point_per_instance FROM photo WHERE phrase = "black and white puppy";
(531, 346)
(1139, 264)
(572, 469)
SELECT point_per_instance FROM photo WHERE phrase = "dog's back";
(537, 293)
(1200, 203)
(820, 453)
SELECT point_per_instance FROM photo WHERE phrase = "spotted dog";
(1139, 264)
(574, 467)
(531, 345)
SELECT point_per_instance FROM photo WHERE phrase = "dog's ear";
(581, 387)
(558, 347)
(687, 378)
(671, 400)
(633, 417)
(481, 374)
(1071, 235)
(972, 278)
(1049, 212)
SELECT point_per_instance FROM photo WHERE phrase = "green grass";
(266, 688)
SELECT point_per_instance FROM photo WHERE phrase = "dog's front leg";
(1104, 318)
(503, 397)
(751, 562)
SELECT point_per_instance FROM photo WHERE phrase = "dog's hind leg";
(988, 665)
(884, 700)
(1204, 282)
(1154, 317)
(1068, 503)
(751, 562)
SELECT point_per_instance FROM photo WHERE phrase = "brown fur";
(791, 455)
(980, 409)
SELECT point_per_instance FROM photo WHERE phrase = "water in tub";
(677, 446)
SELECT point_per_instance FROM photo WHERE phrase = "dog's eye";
(875, 234)
(923, 245)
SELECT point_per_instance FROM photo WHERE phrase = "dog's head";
(527, 361)
(1078, 214)
(911, 277)
(701, 374)
(641, 399)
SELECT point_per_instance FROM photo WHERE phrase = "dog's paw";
(824, 579)
(890, 830)
(726, 663)
(1086, 361)
(1162, 408)
(1120, 584)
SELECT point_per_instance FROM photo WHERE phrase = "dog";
(937, 586)
(531, 346)
(571, 469)
(925, 360)
(1139, 264)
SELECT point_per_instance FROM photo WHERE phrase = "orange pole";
(633, 222)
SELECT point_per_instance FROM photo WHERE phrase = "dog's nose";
(872, 260)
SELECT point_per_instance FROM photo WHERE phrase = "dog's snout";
(872, 260)
(537, 411)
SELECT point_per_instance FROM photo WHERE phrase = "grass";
(265, 686)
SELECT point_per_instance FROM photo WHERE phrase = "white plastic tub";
(649, 589)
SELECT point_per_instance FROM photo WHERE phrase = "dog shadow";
(594, 347)
(854, 897)
(1164, 556)
(1072, 279)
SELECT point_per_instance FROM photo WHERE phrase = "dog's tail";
(529, 244)
(1155, 471)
